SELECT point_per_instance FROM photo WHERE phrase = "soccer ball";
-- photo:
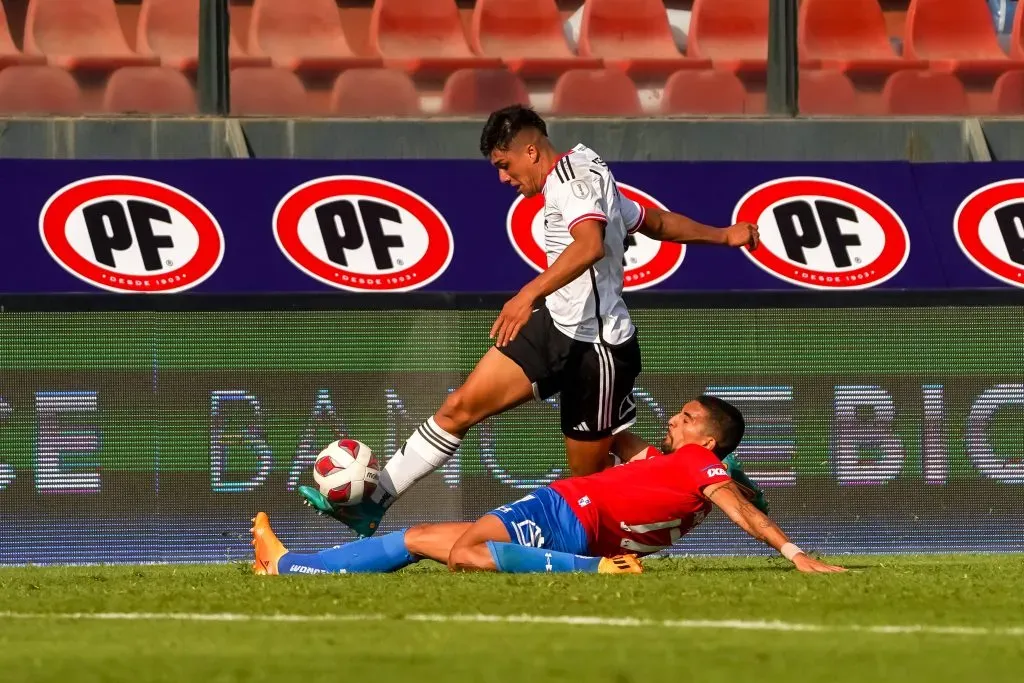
(346, 472)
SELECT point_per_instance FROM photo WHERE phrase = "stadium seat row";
(426, 37)
(41, 89)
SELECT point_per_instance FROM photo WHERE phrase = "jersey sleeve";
(578, 200)
(633, 214)
(704, 469)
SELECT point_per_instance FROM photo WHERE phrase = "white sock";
(428, 448)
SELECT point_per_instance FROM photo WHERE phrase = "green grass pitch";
(907, 618)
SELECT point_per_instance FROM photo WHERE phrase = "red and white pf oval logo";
(824, 234)
(363, 234)
(989, 228)
(648, 261)
(129, 234)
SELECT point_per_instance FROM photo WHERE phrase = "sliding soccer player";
(566, 332)
(597, 523)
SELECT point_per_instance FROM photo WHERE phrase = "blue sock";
(377, 554)
(519, 559)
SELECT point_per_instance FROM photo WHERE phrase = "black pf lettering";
(802, 226)
(113, 229)
(355, 232)
(839, 242)
(1011, 226)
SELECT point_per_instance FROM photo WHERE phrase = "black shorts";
(595, 379)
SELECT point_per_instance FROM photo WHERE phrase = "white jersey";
(581, 187)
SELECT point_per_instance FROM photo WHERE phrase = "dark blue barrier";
(282, 226)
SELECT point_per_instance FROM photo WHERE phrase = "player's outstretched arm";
(666, 226)
(728, 497)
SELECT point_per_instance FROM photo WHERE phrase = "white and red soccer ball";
(346, 472)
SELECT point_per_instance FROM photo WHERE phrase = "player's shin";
(375, 555)
(517, 559)
(428, 448)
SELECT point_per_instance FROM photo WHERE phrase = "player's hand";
(514, 314)
(742, 235)
(806, 563)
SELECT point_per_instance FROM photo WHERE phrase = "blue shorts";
(544, 520)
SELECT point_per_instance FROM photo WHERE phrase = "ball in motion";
(346, 472)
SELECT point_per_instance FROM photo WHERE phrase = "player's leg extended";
(535, 534)
(368, 555)
(435, 541)
(495, 385)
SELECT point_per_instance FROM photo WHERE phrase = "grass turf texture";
(944, 591)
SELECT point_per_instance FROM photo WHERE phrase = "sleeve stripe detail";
(639, 221)
(587, 217)
(568, 168)
(564, 169)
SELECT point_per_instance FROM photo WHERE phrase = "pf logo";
(824, 234)
(363, 234)
(648, 261)
(129, 234)
(989, 228)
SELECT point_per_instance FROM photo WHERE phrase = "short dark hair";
(726, 423)
(505, 124)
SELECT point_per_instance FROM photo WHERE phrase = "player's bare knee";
(416, 538)
(456, 415)
(468, 558)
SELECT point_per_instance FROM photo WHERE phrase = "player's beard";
(666, 445)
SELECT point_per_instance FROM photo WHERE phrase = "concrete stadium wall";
(618, 140)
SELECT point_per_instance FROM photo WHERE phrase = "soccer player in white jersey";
(567, 331)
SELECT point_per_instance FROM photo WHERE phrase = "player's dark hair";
(726, 421)
(505, 124)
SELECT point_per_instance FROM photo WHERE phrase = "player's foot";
(268, 549)
(363, 518)
(735, 469)
(622, 564)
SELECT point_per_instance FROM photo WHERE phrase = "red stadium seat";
(955, 36)
(79, 35)
(481, 91)
(169, 29)
(304, 36)
(1017, 36)
(1008, 94)
(39, 90)
(423, 37)
(374, 92)
(267, 91)
(527, 35)
(731, 33)
(149, 90)
(849, 36)
(705, 92)
(10, 55)
(596, 92)
(827, 93)
(634, 36)
(924, 93)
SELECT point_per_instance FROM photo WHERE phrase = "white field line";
(618, 622)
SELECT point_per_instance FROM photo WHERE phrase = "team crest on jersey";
(987, 229)
(820, 233)
(648, 261)
(580, 189)
(363, 234)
